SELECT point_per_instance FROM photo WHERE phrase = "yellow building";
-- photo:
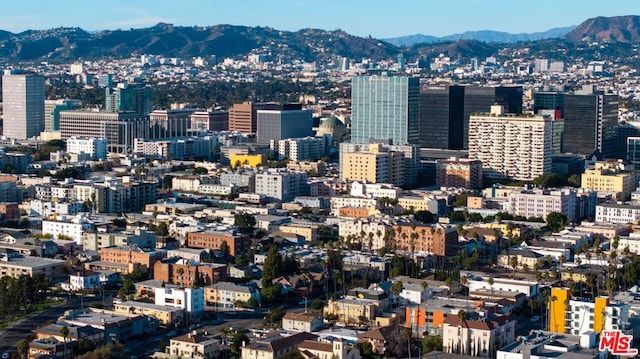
(306, 231)
(579, 316)
(352, 311)
(505, 228)
(166, 315)
(612, 178)
(246, 160)
(373, 166)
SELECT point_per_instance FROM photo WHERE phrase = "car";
(535, 318)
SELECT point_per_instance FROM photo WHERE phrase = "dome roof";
(332, 122)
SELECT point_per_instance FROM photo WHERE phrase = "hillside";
(607, 29)
(68, 44)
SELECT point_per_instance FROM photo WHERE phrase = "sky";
(380, 19)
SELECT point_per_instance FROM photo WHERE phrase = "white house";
(83, 280)
(302, 322)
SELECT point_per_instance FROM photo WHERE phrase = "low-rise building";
(274, 345)
(212, 239)
(115, 326)
(14, 265)
(479, 336)
(166, 315)
(184, 273)
(302, 322)
(229, 295)
(552, 345)
(198, 344)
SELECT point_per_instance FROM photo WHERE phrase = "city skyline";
(377, 18)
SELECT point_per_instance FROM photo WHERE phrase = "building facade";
(23, 105)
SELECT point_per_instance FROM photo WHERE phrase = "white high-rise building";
(23, 103)
(511, 146)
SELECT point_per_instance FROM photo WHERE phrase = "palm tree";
(64, 331)
(462, 315)
(491, 281)
(23, 348)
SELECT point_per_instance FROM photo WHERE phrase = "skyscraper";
(445, 111)
(243, 117)
(385, 107)
(23, 101)
(591, 116)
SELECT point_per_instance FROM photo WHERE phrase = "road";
(13, 334)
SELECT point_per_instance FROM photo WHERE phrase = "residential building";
(352, 311)
(282, 185)
(479, 336)
(445, 111)
(23, 104)
(302, 322)
(552, 345)
(300, 149)
(511, 146)
(617, 213)
(610, 178)
(581, 316)
(68, 227)
(235, 243)
(229, 295)
(337, 349)
(83, 280)
(94, 148)
(377, 165)
(94, 241)
(438, 240)
(168, 316)
(275, 125)
(185, 148)
(183, 272)
(411, 170)
(14, 265)
(540, 202)
(115, 326)
(274, 345)
(521, 258)
(146, 258)
(243, 160)
(197, 344)
(190, 300)
(459, 172)
(385, 107)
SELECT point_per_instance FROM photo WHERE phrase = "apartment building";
(282, 185)
(611, 178)
(214, 240)
(146, 258)
(459, 172)
(436, 239)
(511, 146)
(377, 165)
(227, 294)
(184, 273)
(478, 334)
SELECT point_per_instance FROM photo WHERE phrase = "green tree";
(431, 343)
(23, 348)
(236, 342)
(365, 349)
(64, 331)
(556, 221)
(200, 171)
(245, 222)
(317, 304)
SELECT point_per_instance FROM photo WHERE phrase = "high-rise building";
(282, 124)
(459, 172)
(243, 117)
(126, 97)
(445, 111)
(23, 103)
(170, 123)
(52, 110)
(210, 121)
(385, 107)
(591, 115)
(511, 146)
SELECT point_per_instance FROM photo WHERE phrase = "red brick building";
(213, 240)
(436, 239)
(183, 272)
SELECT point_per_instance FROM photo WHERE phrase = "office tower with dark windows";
(23, 101)
(445, 111)
(282, 124)
(243, 117)
(385, 107)
(52, 110)
(590, 120)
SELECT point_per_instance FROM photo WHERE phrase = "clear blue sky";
(377, 18)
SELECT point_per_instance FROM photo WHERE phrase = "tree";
(430, 344)
(396, 289)
(23, 348)
(237, 340)
(200, 171)
(64, 331)
(556, 221)
(365, 349)
(317, 304)
(272, 266)
(245, 222)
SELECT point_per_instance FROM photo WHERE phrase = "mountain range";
(483, 35)
(71, 44)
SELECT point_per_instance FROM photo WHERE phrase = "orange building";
(459, 172)
(436, 239)
(357, 212)
(213, 240)
(183, 272)
(10, 211)
(129, 255)
(421, 320)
